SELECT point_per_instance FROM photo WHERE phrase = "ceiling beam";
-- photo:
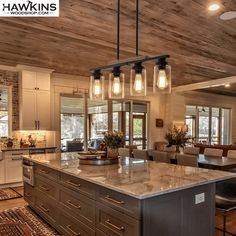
(205, 84)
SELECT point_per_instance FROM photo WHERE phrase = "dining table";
(217, 163)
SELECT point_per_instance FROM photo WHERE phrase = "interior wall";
(67, 84)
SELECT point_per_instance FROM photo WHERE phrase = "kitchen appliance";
(28, 172)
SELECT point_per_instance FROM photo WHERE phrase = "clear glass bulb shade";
(162, 79)
(96, 90)
(138, 83)
(116, 86)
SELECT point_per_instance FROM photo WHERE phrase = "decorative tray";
(98, 161)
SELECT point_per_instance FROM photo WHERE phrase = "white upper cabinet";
(35, 100)
(35, 80)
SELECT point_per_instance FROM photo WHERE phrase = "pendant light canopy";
(96, 85)
(138, 80)
(162, 76)
(116, 84)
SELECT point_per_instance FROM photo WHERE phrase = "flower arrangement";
(114, 139)
(177, 136)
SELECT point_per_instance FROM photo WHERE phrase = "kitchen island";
(132, 198)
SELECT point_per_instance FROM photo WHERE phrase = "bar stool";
(226, 200)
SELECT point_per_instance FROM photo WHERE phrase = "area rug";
(8, 193)
(22, 221)
(19, 190)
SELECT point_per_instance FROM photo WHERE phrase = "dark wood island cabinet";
(133, 199)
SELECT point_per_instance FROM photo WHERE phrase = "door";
(43, 81)
(28, 110)
(43, 110)
(139, 131)
(28, 80)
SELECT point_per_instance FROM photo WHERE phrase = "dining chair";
(214, 152)
(231, 153)
(191, 150)
(187, 160)
(160, 156)
(124, 152)
(225, 200)
(140, 154)
(131, 148)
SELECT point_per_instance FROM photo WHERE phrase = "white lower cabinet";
(13, 166)
(13, 171)
(2, 171)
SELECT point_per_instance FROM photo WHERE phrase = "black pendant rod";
(137, 27)
(118, 30)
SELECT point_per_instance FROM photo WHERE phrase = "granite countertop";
(138, 178)
(16, 148)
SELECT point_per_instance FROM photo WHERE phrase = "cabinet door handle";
(121, 228)
(16, 154)
(114, 201)
(73, 205)
(73, 184)
(38, 124)
(35, 124)
(43, 208)
(44, 188)
(72, 231)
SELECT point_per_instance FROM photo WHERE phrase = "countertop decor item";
(113, 141)
(177, 136)
(9, 142)
(32, 141)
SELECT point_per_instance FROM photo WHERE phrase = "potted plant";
(177, 136)
(113, 141)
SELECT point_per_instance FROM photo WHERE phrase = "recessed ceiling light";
(227, 85)
(229, 15)
(214, 7)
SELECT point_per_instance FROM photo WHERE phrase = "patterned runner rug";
(8, 193)
(22, 221)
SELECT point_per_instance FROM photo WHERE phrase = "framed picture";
(159, 123)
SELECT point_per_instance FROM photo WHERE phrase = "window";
(208, 124)
(86, 120)
(4, 113)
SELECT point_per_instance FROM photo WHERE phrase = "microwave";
(28, 172)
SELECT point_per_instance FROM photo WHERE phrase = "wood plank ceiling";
(202, 47)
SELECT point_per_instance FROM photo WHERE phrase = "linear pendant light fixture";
(138, 75)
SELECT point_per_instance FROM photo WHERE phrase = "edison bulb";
(97, 89)
(162, 82)
(138, 83)
(116, 87)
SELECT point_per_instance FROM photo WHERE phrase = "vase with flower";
(177, 136)
(113, 141)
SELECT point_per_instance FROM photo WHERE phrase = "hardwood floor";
(231, 219)
(231, 223)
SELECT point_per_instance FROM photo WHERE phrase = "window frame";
(9, 107)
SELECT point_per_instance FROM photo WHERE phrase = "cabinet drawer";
(29, 193)
(100, 233)
(115, 223)
(46, 208)
(79, 205)
(72, 227)
(46, 172)
(16, 153)
(47, 187)
(120, 202)
(78, 184)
